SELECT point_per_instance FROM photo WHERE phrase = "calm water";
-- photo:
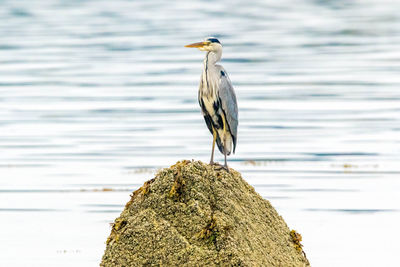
(98, 95)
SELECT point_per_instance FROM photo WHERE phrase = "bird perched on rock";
(217, 99)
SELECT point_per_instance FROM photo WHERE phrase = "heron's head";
(211, 44)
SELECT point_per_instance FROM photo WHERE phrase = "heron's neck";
(212, 58)
(209, 73)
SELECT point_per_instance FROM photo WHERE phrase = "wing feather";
(227, 97)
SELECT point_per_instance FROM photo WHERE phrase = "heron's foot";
(212, 163)
(220, 167)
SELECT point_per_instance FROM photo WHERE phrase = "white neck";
(209, 82)
(212, 57)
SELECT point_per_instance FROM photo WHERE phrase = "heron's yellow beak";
(197, 45)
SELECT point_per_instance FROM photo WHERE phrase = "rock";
(192, 214)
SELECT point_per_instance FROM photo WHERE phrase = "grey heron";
(217, 99)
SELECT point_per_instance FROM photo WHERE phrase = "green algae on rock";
(194, 215)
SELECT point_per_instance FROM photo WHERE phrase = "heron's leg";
(224, 140)
(213, 146)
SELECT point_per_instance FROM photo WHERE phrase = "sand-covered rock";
(192, 214)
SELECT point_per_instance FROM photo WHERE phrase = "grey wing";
(228, 101)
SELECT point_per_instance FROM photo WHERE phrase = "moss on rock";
(194, 215)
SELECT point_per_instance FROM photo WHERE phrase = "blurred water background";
(95, 96)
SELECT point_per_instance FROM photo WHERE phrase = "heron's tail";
(221, 147)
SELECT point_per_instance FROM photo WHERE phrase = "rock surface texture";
(192, 214)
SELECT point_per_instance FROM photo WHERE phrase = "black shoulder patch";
(222, 73)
